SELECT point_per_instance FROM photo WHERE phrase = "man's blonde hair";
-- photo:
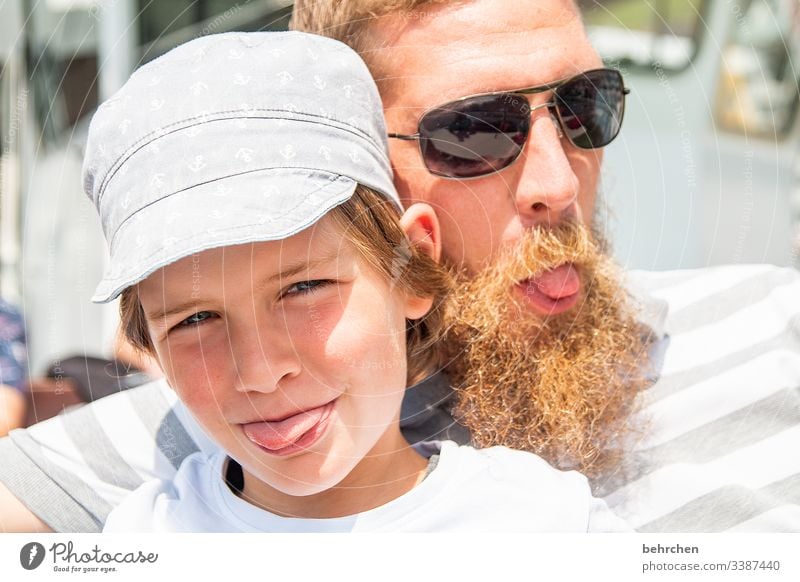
(347, 20)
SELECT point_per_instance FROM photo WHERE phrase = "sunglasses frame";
(550, 105)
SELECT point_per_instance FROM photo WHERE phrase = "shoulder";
(724, 407)
(169, 504)
(731, 282)
(720, 301)
(522, 469)
(499, 489)
(135, 420)
(71, 470)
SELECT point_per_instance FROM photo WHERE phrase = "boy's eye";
(304, 287)
(195, 319)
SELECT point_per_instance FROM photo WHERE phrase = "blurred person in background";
(13, 369)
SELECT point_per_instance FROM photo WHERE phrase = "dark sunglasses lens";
(475, 136)
(591, 108)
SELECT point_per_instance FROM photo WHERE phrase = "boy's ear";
(421, 226)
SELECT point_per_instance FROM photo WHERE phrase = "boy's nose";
(264, 364)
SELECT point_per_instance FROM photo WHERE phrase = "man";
(710, 448)
(570, 414)
(707, 452)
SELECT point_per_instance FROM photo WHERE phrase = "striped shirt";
(723, 420)
(718, 454)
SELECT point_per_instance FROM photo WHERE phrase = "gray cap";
(230, 139)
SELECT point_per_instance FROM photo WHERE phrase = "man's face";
(441, 53)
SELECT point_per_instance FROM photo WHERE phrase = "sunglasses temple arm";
(403, 136)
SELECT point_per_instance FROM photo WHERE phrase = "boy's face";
(291, 355)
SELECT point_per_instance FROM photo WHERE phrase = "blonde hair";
(371, 223)
(347, 20)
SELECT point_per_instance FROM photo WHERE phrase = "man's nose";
(264, 359)
(547, 187)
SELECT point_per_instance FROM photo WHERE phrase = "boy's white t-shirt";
(495, 489)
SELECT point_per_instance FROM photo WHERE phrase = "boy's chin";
(283, 480)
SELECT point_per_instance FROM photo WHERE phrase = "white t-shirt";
(495, 489)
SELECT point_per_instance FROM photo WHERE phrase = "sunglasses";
(481, 134)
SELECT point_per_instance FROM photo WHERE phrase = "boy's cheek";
(206, 407)
(360, 355)
(197, 383)
(313, 324)
(198, 354)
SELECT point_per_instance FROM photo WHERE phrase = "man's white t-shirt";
(495, 489)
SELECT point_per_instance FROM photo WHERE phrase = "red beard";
(560, 386)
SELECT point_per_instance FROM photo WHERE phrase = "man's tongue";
(280, 434)
(558, 283)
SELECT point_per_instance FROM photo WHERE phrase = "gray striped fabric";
(71, 472)
(723, 419)
(719, 451)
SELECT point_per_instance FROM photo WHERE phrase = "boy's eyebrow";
(290, 271)
(162, 313)
(300, 266)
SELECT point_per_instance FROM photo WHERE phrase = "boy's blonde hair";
(371, 223)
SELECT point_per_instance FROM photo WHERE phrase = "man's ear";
(421, 226)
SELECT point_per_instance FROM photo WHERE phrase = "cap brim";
(255, 206)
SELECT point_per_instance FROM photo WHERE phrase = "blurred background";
(706, 170)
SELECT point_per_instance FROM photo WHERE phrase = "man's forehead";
(469, 16)
(441, 52)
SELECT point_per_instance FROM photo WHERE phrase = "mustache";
(541, 249)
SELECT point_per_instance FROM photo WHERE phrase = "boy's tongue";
(560, 282)
(280, 434)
